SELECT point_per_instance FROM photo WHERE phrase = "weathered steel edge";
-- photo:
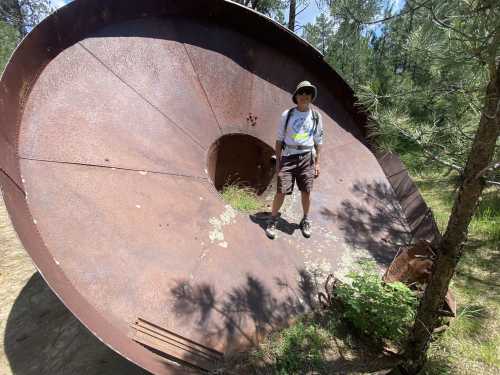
(70, 24)
(418, 215)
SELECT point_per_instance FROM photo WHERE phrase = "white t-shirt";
(299, 131)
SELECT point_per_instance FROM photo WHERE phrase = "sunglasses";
(305, 92)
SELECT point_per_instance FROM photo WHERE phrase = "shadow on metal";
(374, 221)
(250, 303)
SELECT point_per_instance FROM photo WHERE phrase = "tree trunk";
(291, 15)
(453, 240)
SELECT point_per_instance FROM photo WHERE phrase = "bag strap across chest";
(315, 120)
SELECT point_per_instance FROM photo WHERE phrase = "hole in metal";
(241, 159)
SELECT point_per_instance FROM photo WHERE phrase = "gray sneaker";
(271, 228)
(305, 227)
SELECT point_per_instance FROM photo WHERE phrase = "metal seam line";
(143, 97)
(4, 172)
(202, 87)
(203, 179)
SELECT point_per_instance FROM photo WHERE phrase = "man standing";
(300, 135)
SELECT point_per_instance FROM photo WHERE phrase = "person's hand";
(316, 170)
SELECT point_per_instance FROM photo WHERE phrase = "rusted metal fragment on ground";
(413, 265)
(119, 123)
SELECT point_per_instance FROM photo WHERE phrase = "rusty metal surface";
(110, 111)
(418, 215)
(413, 265)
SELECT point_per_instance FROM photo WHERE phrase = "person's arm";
(280, 139)
(316, 161)
(277, 149)
(318, 140)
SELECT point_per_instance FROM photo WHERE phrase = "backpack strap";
(288, 115)
(315, 122)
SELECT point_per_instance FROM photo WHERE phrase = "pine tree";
(444, 99)
(24, 14)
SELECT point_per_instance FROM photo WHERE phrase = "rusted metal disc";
(111, 112)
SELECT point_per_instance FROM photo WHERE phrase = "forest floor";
(471, 345)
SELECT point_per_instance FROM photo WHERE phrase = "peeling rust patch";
(218, 224)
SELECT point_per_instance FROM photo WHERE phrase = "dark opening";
(241, 159)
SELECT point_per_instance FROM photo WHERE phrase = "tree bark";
(450, 249)
(291, 15)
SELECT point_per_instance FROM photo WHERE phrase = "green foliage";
(320, 33)
(433, 64)
(268, 7)
(471, 345)
(300, 349)
(422, 72)
(8, 41)
(23, 15)
(242, 198)
(377, 309)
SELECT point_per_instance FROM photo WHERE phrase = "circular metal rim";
(37, 49)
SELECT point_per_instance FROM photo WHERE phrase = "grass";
(471, 345)
(316, 343)
(242, 198)
(299, 348)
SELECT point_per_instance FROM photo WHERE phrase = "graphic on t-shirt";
(300, 129)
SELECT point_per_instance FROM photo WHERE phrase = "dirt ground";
(39, 335)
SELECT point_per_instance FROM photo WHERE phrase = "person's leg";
(279, 198)
(285, 186)
(306, 202)
(273, 221)
(305, 181)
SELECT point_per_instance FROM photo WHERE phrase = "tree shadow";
(43, 337)
(372, 220)
(478, 271)
(242, 317)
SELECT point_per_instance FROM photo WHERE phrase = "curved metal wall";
(109, 110)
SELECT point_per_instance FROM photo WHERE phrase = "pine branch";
(490, 168)
(385, 19)
(446, 163)
(300, 11)
(443, 24)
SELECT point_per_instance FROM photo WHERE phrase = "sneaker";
(305, 227)
(271, 228)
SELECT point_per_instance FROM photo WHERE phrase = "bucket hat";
(301, 85)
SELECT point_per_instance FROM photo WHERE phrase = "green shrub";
(382, 311)
(300, 347)
(242, 198)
